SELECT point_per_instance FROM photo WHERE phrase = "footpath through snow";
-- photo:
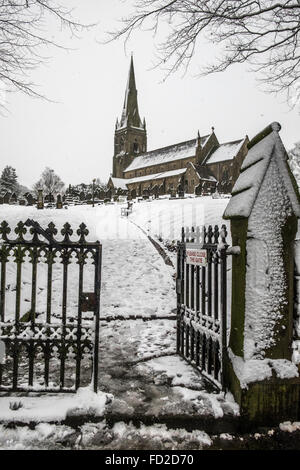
(135, 279)
(137, 360)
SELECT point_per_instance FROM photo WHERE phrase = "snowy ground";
(138, 365)
(137, 358)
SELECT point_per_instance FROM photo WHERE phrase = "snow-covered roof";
(119, 182)
(203, 173)
(166, 154)
(164, 174)
(208, 178)
(226, 151)
(253, 170)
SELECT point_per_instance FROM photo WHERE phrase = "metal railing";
(47, 350)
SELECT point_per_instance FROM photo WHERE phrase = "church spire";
(130, 113)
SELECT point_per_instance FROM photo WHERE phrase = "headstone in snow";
(198, 189)
(40, 200)
(2, 352)
(59, 202)
(263, 211)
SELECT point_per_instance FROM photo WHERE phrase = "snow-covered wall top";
(253, 170)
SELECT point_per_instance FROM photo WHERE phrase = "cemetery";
(177, 314)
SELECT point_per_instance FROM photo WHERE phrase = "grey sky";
(75, 135)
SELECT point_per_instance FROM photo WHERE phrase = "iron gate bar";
(97, 288)
(15, 333)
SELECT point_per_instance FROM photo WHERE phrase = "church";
(201, 165)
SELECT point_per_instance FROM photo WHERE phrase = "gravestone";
(13, 199)
(6, 198)
(172, 193)
(161, 189)
(263, 212)
(154, 191)
(145, 194)
(40, 199)
(198, 189)
(108, 194)
(59, 204)
(2, 352)
(30, 199)
(180, 190)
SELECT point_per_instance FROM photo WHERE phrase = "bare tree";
(50, 183)
(265, 34)
(23, 33)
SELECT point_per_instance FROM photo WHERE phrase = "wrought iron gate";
(201, 302)
(51, 343)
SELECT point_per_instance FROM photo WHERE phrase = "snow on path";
(135, 279)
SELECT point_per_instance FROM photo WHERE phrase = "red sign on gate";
(195, 255)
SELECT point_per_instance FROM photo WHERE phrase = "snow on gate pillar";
(263, 211)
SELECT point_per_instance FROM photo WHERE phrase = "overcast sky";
(74, 135)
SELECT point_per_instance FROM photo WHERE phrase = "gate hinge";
(233, 250)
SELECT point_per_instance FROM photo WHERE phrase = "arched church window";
(121, 143)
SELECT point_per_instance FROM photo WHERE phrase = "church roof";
(203, 172)
(166, 154)
(130, 113)
(226, 151)
(164, 174)
(119, 182)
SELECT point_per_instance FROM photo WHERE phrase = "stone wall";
(128, 143)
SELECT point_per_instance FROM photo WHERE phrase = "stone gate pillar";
(263, 212)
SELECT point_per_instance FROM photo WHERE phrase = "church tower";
(130, 132)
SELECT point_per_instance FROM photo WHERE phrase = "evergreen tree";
(8, 180)
(294, 161)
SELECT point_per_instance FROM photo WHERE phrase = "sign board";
(195, 255)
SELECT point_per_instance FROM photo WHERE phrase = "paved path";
(135, 280)
(137, 358)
